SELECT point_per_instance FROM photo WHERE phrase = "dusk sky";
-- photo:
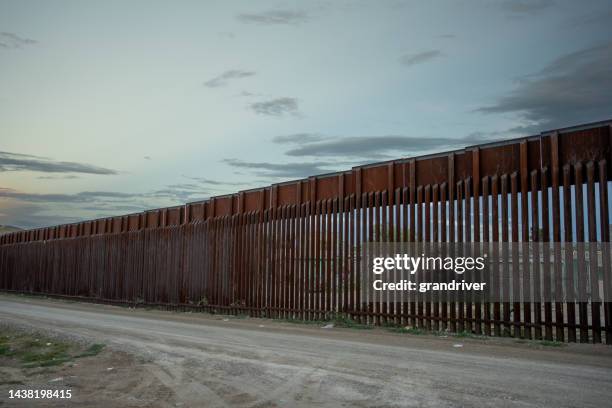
(119, 106)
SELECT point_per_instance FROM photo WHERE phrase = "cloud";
(575, 88)
(21, 208)
(179, 193)
(12, 40)
(207, 181)
(222, 79)
(248, 94)
(66, 177)
(593, 18)
(419, 58)
(283, 170)
(298, 138)
(24, 162)
(82, 197)
(31, 216)
(276, 107)
(147, 157)
(373, 147)
(526, 6)
(274, 17)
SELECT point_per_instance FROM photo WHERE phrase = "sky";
(115, 107)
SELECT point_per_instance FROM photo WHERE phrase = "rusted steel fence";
(292, 250)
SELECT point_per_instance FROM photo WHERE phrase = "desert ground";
(169, 359)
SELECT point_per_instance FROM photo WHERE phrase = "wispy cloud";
(82, 197)
(274, 17)
(26, 209)
(298, 138)
(420, 57)
(12, 40)
(526, 6)
(283, 170)
(24, 162)
(66, 177)
(222, 79)
(31, 216)
(593, 18)
(372, 147)
(277, 107)
(211, 182)
(575, 88)
(60, 207)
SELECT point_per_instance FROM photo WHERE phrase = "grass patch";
(300, 321)
(545, 343)
(550, 343)
(345, 321)
(406, 330)
(468, 335)
(32, 350)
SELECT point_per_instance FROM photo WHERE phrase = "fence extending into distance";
(292, 250)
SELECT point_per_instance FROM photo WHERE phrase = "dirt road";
(215, 361)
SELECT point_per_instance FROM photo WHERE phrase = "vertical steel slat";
(312, 259)
(294, 260)
(516, 279)
(412, 230)
(404, 320)
(282, 263)
(317, 261)
(496, 278)
(301, 288)
(334, 259)
(327, 259)
(604, 222)
(420, 239)
(346, 256)
(397, 237)
(451, 232)
(548, 320)
(375, 239)
(468, 239)
(443, 238)
(593, 259)
(435, 239)
(556, 238)
(537, 269)
(526, 286)
(370, 241)
(287, 262)
(569, 257)
(428, 226)
(352, 296)
(274, 245)
(382, 238)
(478, 311)
(361, 234)
(486, 306)
(459, 304)
(505, 282)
